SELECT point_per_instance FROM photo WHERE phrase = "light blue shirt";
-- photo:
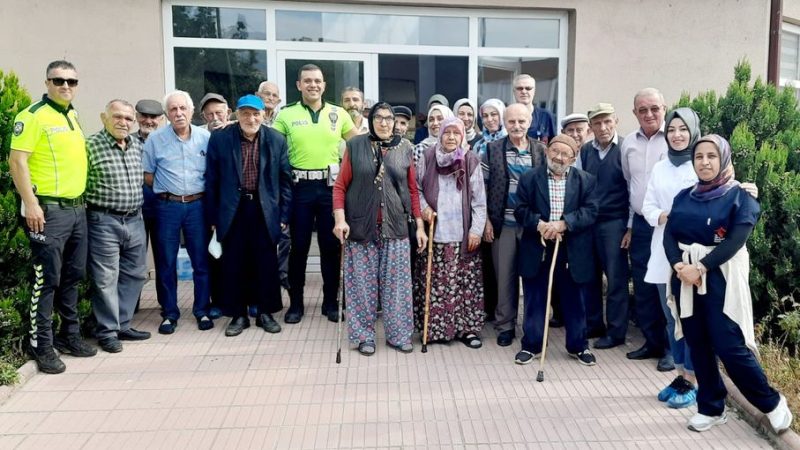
(178, 166)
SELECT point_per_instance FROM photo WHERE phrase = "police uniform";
(58, 171)
(313, 138)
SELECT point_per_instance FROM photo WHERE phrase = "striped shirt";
(519, 161)
(115, 174)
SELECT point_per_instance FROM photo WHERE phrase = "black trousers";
(649, 314)
(312, 203)
(249, 263)
(59, 264)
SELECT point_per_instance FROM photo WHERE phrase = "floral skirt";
(456, 302)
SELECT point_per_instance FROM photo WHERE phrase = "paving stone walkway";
(202, 390)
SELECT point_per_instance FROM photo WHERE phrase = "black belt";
(115, 212)
(180, 198)
(60, 201)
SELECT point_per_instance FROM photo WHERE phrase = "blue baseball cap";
(250, 101)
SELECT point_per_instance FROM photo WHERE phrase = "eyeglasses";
(58, 81)
(524, 88)
(653, 110)
(384, 119)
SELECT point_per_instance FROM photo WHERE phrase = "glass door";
(340, 70)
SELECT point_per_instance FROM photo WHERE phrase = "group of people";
(436, 236)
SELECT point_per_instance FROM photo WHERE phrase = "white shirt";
(639, 154)
(666, 181)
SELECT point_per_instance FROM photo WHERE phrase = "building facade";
(401, 51)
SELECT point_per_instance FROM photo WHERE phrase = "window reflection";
(219, 23)
(522, 33)
(231, 73)
(310, 26)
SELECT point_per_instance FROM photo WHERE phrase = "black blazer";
(224, 174)
(580, 212)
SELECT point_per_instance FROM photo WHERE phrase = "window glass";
(338, 74)
(218, 23)
(308, 26)
(411, 80)
(523, 33)
(230, 73)
(496, 75)
(790, 44)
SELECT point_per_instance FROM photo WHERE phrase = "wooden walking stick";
(540, 375)
(428, 286)
(341, 319)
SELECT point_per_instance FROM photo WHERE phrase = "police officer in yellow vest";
(313, 130)
(49, 166)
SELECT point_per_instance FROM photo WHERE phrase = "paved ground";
(202, 390)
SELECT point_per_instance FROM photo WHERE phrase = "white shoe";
(780, 418)
(701, 422)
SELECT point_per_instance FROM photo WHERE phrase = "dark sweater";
(612, 188)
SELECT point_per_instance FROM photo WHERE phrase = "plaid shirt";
(557, 190)
(250, 164)
(115, 175)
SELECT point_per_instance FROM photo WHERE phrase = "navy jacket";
(224, 174)
(580, 211)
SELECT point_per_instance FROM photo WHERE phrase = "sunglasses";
(58, 81)
(524, 88)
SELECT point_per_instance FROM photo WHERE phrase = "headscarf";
(452, 162)
(692, 122)
(497, 104)
(724, 180)
(446, 114)
(470, 132)
(438, 98)
(391, 142)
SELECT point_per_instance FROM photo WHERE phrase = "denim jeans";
(117, 252)
(174, 217)
(680, 349)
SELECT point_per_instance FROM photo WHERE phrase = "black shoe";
(666, 363)
(133, 335)
(73, 345)
(505, 338)
(293, 316)
(47, 361)
(333, 316)
(167, 326)
(642, 353)
(237, 325)
(585, 357)
(525, 357)
(204, 323)
(110, 344)
(268, 323)
(607, 342)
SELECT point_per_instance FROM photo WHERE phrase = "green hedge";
(763, 126)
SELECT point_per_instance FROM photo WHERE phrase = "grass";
(783, 372)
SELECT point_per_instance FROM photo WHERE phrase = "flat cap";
(150, 107)
(212, 97)
(572, 118)
(600, 109)
(401, 110)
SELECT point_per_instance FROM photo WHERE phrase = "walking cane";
(428, 286)
(341, 302)
(540, 375)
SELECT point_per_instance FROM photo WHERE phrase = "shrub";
(762, 123)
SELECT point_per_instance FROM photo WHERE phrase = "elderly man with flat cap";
(402, 117)
(556, 202)
(215, 111)
(602, 158)
(248, 195)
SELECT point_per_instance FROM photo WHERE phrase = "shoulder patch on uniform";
(18, 128)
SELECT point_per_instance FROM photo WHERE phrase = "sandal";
(471, 340)
(366, 348)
